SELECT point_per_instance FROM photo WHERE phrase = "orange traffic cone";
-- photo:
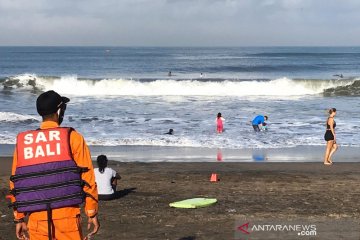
(214, 177)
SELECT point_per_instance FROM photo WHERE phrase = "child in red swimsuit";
(219, 123)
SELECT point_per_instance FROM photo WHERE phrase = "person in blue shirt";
(259, 120)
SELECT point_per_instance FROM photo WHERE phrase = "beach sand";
(286, 191)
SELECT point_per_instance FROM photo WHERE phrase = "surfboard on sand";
(194, 203)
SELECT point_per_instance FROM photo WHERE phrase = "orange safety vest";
(46, 175)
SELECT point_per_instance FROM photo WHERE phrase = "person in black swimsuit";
(330, 137)
(328, 134)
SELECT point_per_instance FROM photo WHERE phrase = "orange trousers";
(63, 229)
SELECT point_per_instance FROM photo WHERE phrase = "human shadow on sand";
(187, 238)
(117, 195)
(124, 192)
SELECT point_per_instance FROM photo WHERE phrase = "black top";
(328, 126)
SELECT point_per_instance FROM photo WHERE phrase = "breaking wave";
(352, 89)
(10, 117)
(183, 87)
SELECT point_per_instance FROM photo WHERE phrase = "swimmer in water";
(170, 132)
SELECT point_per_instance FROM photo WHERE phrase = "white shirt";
(103, 180)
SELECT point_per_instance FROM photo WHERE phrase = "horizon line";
(179, 46)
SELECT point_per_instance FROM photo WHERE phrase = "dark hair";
(48, 116)
(102, 163)
(331, 110)
(266, 117)
(219, 115)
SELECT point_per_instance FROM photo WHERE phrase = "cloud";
(179, 22)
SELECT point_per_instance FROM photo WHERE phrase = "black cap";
(49, 102)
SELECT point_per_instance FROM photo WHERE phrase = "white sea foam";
(136, 141)
(14, 117)
(124, 87)
(24, 81)
(6, 139)
(206, 141)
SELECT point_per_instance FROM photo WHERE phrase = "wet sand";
(285, 191)
(201, 154)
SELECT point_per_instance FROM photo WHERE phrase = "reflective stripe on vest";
(46, 173)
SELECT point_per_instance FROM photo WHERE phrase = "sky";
(179, 23)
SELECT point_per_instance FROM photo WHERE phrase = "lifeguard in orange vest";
(52, 174)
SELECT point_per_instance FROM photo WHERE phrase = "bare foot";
(328, 163)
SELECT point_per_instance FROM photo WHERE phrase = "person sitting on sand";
(106, 179)
(219, 123)
(330, 137)
(259, 120)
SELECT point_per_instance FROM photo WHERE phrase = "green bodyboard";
(194, 203)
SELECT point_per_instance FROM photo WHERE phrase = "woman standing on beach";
(330, 137)
(219, 123)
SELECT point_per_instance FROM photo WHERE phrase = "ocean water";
(124, 96)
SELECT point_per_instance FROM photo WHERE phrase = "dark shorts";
(256, 128)
(328, 136)
(107, 197)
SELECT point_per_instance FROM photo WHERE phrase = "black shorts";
(106, 197)
(256, 128)
(328, 136)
